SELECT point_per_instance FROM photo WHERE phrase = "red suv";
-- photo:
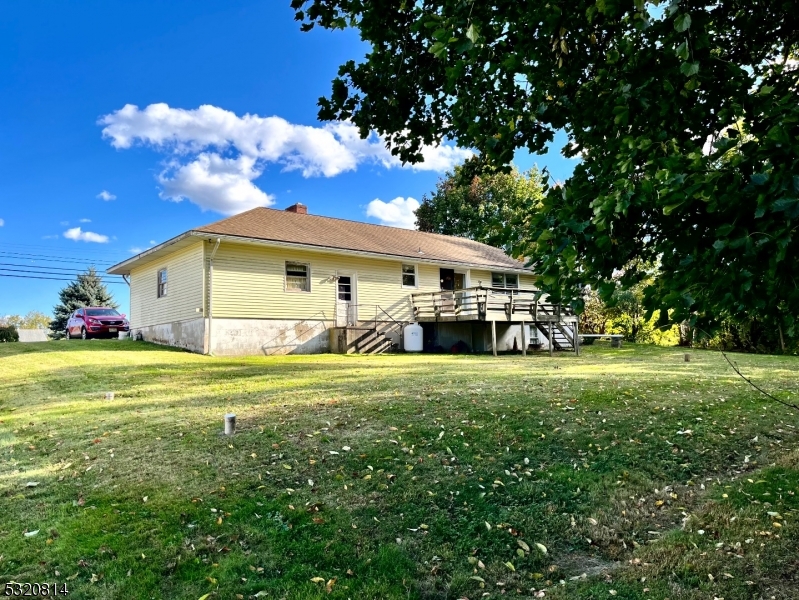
(96, 321)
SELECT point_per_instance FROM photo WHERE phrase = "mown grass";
(642, 476)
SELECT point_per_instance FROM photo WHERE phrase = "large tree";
(685, 117)
(88, 289)
(489, 206)
(34, 319)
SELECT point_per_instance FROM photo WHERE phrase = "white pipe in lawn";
(230, 424)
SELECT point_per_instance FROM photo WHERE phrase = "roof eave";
(346, 251)
(125, 266)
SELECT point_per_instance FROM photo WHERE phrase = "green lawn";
(622, 473)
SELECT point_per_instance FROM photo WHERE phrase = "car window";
(101, 312)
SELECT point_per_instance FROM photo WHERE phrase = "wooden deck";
(488, 304)
(558, 323)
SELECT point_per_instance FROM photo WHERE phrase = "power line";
(69, 270)
(107, 277)
(51, 258)
(49, 278)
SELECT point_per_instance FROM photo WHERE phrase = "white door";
(346, 299)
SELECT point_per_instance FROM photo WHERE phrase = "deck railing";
(486, 304)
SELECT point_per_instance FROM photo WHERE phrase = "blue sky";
(105, 149)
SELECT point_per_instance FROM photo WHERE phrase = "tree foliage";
(88, 289)
(8, 333)
(489, 206)
(34, 319)
(684, 115)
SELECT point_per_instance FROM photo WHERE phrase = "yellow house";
(274, 282)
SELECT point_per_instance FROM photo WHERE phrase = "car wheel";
(83, 334)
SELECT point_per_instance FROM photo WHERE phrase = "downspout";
(210, 296)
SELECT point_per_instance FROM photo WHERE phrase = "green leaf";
(682, 22)
(472, 33)
(682, 51)
(689, 69)
(719, 245)
(667, 210)
(437, 49)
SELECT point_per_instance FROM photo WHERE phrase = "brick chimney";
(298, 208)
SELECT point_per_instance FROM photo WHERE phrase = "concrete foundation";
(477, 335)
(247, 337)
(181, 334)
(243, 337)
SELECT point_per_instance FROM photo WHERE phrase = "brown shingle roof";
(326, 232)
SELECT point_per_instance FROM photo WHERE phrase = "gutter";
(210, 295)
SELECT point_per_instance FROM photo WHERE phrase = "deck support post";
(524, 340)
(494, 337)
(551, 344)
(577, 336)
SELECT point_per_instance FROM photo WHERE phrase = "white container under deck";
(412, 338)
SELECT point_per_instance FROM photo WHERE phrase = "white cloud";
(215, 155)
(152, 242)
(397, 213)
(2, 222)
(85, 236)
(106, 195)
(85, 221)
(215, 183)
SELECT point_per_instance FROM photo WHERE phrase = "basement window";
(409, 276)
(298, 277)
(508, 281)
(162, 283)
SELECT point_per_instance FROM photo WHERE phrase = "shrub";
(9, 333)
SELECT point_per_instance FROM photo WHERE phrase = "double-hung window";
(162, 283)
(409, 276)
(298, 277)
(509, 281)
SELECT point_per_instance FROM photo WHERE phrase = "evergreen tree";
(87, 290)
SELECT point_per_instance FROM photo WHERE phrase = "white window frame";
(504, 285)
(165, 283)
(415, 276)
(286, 287)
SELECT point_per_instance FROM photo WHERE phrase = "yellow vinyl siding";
(527, 282)
(478, 277)
(249, 282)
(184, 288)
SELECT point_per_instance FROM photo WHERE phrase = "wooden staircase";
(562, 338)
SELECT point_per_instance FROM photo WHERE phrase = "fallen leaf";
(541, 547)
(31, 533)
(510, 566)
(523, 545)
(318, 579)
(32, 484)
